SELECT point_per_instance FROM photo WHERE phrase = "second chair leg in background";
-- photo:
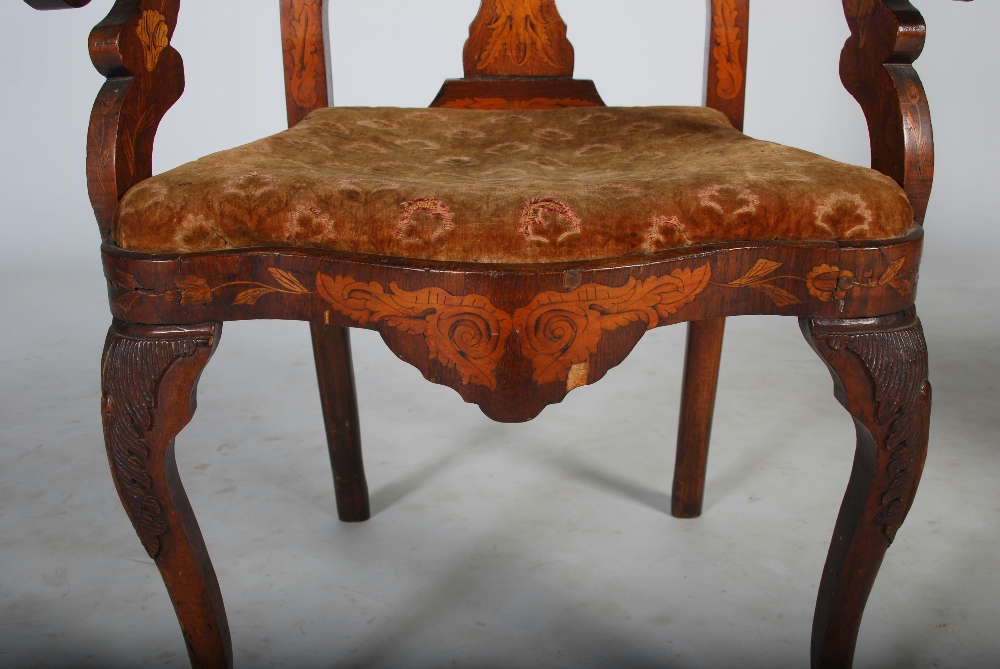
(335, 373)
(694, 430)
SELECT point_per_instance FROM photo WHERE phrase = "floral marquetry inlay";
(824, 282)
(466, 333)
(561, 330)
(154, 35)
(518, 37)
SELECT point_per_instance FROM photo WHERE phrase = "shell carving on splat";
(518, 37)
(154, 35)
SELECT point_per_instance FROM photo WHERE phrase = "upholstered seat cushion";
(507, 186)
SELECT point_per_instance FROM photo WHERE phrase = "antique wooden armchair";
(513, 242)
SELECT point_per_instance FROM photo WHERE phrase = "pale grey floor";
(545, 544)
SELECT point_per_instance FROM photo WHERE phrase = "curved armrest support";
(131, 47)
(876, 68)
(56, 4)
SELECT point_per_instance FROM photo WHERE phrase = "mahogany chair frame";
(854, 300)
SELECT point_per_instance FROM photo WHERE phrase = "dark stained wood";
(304, 52)
(56, 4)
(500, 373)
(306, 89)
(149, 378)
(694, 431)
(517, 93)
(131, 47)
(335, 373)
(521, 38)
(879, 369)
(511, 338)
(725, 90)
(876, 67)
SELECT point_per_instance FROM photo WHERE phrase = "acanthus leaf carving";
(560, 330)
(131, 372)
(896, 362)
(466, 333)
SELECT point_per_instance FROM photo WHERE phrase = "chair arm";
(876, 68)
(56, 4)
(131, 47)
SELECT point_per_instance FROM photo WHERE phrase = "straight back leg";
(701, 377)
(335, 373)
(879, 369)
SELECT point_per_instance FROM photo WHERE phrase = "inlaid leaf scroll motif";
(825, 282)
(466, 333)
(518, 37)
(561, 330)
(726, 51)
(302, 57)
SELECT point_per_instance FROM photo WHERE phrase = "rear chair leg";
(149, 379)
(701, 377)
(335, 372)
(879, 369)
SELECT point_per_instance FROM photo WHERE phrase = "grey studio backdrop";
(546, 544)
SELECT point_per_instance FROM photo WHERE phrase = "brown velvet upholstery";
(507, 186)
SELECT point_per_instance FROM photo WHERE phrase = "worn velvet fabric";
(507, 186)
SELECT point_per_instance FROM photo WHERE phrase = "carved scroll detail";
(518, 37)
(132, 370)
(465, 332)
(560, 330)
(727, 48)
(896, 361)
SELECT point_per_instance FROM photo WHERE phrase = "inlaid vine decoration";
(727, 48)
(824, 282)
(558, 331)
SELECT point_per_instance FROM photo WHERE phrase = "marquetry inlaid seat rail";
(517, 326)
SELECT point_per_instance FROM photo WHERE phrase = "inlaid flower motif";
(153, 33)
(194, 289)
(829, 282)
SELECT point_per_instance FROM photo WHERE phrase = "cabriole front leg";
(879, 369)
(149, 378)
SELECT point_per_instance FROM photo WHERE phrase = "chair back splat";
(517, 57)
